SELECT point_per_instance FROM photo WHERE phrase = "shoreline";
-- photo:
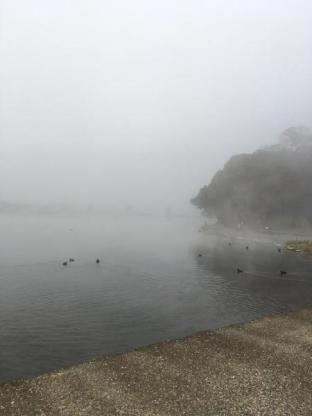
(262, 367)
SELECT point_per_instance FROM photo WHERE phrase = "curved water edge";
(150, 285)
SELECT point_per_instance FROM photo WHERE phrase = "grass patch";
(299, 245)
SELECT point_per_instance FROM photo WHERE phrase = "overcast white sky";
(140, 102)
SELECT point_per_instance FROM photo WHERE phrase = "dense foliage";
(270, 186)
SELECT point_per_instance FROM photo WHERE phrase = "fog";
(139, 103)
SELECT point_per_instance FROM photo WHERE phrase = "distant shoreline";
(247, 233)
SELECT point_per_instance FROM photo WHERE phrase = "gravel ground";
(260, 368)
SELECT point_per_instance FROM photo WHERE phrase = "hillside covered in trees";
(272, 186)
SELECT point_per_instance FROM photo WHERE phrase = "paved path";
(259, 368)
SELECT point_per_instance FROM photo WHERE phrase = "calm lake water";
(151, 285)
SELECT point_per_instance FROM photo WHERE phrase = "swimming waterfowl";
(71, 260)
(283, 272)
(239, 270)
(247, 247)
(97, 261)
(64, 263)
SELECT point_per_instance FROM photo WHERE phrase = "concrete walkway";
(259, 368)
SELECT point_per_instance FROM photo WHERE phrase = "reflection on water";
(150, 285)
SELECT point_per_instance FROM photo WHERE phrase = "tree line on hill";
(272, 186)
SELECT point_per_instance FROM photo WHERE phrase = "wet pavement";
(259, 368)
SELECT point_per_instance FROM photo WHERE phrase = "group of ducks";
(238, 270)
(71, 260)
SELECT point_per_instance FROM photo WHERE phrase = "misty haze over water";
(140, 103)
(113, 115)
(150, 285)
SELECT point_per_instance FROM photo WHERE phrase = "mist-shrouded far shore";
(91, 210)
(269, 188)
(138, 103)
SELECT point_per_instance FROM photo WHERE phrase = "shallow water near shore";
(151, 285)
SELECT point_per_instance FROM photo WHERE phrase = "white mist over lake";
(151, 284)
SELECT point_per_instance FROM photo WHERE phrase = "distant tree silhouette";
(271, 186)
